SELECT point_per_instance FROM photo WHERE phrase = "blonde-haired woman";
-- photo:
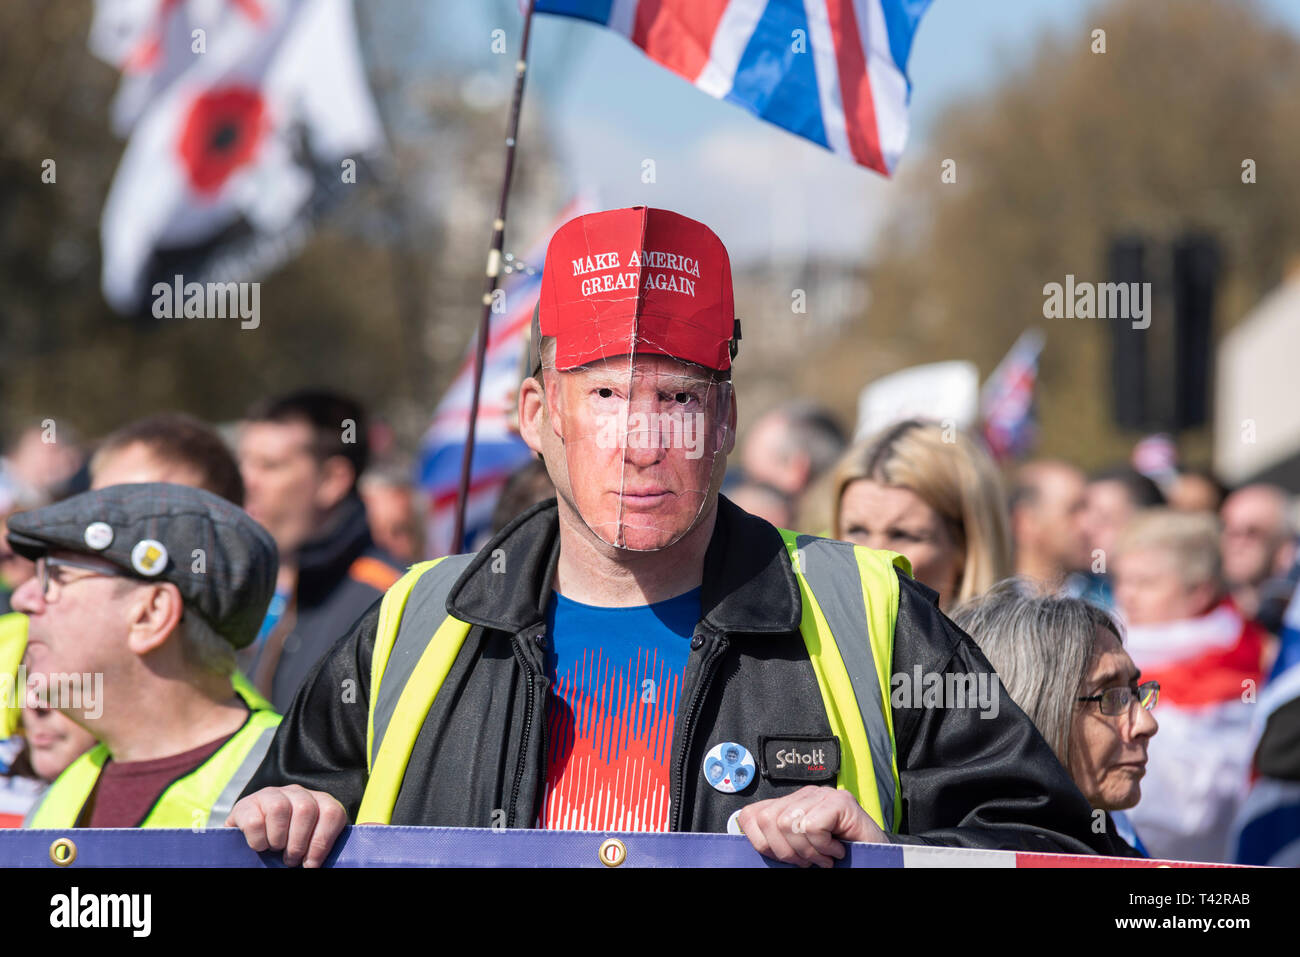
(933, 494)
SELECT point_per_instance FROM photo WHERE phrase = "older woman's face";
(1108, 755)
(1150, 589)
(899, 520)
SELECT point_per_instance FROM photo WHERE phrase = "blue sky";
(768, 194)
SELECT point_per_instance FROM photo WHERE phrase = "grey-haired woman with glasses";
(1062, 660)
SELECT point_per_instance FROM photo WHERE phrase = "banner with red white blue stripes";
(374, 846)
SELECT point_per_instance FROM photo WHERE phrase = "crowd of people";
(1093, 598)
(295, 470)
(1169, 586)
(1069, 583)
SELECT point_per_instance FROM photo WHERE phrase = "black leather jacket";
(479, 760)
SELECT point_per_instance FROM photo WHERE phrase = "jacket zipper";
(688, 727)
(529, 707)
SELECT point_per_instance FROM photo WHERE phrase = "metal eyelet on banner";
(612, 852)
(63, 851)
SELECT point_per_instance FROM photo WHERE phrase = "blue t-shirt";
(616, 675)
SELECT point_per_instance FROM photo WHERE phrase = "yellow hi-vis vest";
(850, 605)
(205, 794)
(13, 643)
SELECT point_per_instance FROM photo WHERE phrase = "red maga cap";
(637, 280)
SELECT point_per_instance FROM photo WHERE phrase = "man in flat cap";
(142, 595)
(644, 655)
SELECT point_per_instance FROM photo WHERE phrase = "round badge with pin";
(729, 767)
(149, 557)
(98, 535)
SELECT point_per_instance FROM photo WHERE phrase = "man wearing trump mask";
(640, 654)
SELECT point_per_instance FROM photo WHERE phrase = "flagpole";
(490, 280)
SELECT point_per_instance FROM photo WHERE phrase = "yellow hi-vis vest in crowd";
(13, 643)
(850, 605)
(205, 794)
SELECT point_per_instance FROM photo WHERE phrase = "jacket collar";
(325, 559)
(748, 588)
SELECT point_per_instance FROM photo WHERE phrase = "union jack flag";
(1007, 399)
(831, 71)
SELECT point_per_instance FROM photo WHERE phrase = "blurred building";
(1257, 417)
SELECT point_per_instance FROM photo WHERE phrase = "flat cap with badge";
(223, 563)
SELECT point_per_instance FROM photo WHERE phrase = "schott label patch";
(795, 758)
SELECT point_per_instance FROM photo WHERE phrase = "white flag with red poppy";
(241, 115)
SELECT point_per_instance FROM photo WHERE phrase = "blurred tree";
(1070, 150)
(381, 302)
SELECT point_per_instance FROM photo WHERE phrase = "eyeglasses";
(1118, 701)
(45, 564)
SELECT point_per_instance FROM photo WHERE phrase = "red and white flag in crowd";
(498, 449)
(1208, 668)
(242, 116)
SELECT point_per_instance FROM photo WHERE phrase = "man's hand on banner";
(806, 827)
(304, 824)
